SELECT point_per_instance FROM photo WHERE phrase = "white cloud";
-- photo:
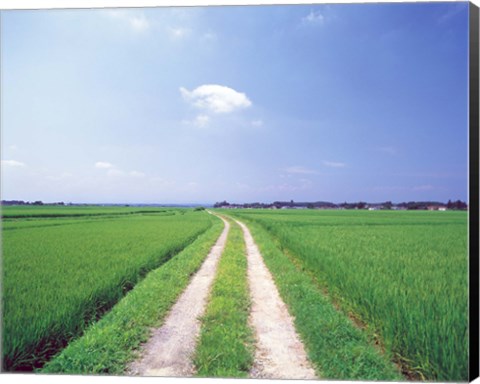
(257, 123)
(334, 164)
(115, 172)
(216, 98)
(313, 18)
(139, 23)
(136, 174)
(300, 170)
(103, 165)
(136, 21)
(12, 163)
(201, 121)
(453, 10)
(62, 177)
(209, 36)
(178, 33)
(115, 13)
(302, 185)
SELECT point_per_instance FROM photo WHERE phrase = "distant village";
(388, 205)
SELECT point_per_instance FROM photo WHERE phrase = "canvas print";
(255, 191)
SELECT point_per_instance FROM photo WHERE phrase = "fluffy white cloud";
(12, 163)
(334, 164)
(216, 98)
(103, 165)
(313, 18)
(137, 21)
(300, 170)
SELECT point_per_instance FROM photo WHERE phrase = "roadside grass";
(225, 348)
(110, 344)
(337, 348)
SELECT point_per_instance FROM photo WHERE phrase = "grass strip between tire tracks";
(225, 347)
(335, 346)
(108, 345)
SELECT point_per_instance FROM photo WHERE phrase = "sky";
(321, 102)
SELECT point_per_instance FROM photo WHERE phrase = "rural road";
(169, 351)
(279, 353)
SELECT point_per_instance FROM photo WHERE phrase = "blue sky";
(341, 102)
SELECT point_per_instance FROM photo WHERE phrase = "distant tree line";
(387, 205)
(21, 202)
(459, 205)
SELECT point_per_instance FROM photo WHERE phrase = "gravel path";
(279, 352)
(169, 351)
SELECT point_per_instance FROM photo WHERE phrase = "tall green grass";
(225, 347)
(110, 344)
(58, 279)
(404, 274)
(337, 349)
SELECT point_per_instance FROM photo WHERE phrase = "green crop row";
(59, 279)
(402, 274)
(25, 211)
(47, 221)
(225, 347)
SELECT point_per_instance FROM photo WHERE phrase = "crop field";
(64, 267)
(49, 211)
(108, 345)
(402, 277)
(379, 295)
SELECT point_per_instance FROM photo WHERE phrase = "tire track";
(170, 349)
(279, 352)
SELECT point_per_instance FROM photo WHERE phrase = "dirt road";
(279, 353)
(169, 351)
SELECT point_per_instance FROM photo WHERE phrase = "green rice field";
(402, 277)
(376, 295)
(64, 267)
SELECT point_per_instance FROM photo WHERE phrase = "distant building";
(436, 208)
